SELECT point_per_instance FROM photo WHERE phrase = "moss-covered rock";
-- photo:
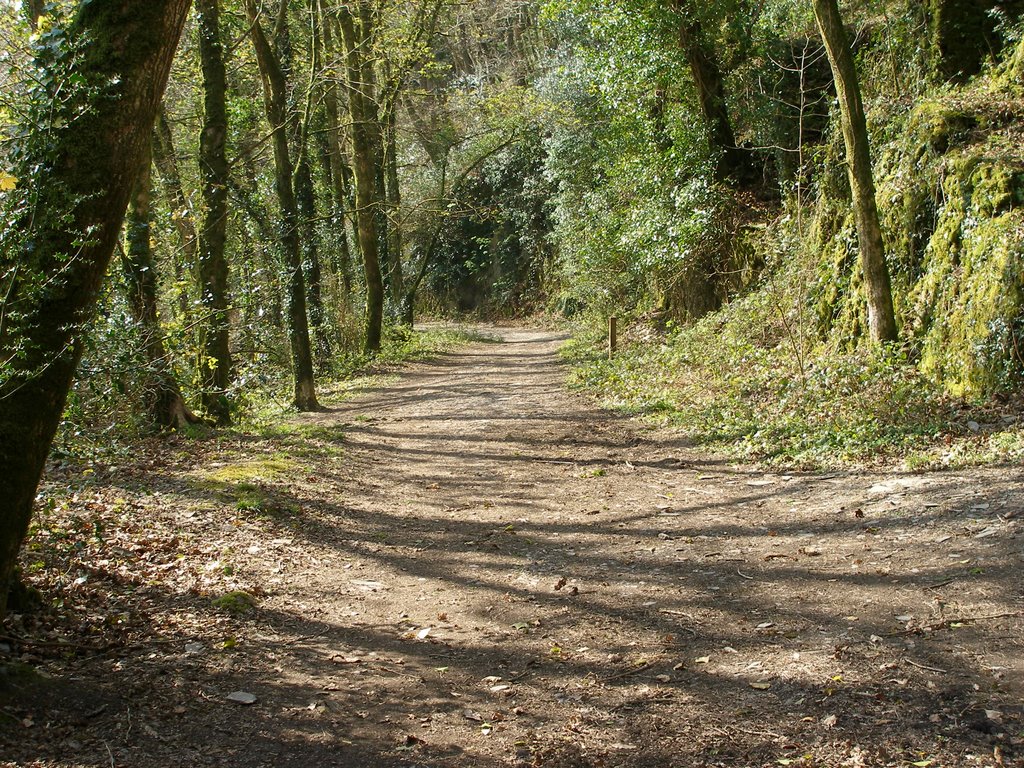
(965, 32)
(950, 185)
(968, 308)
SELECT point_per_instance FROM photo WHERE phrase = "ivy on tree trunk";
(81, 162)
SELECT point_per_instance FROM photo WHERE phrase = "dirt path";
(471, 567)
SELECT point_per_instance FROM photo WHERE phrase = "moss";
(963, 33)
(969, 306)
(236, 602)
(249, 497)
(937, 126)
(950, 186)
(251, 471)
(1011, 75)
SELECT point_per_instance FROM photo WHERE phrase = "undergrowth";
(107, 425)
(733, 382)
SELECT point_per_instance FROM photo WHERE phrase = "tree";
(881, 317)
(80, 164)
(735, 163)
(213, 265)
(334, 165)
(275, 92)
(165, 159)
(161, 392)
(358, 35)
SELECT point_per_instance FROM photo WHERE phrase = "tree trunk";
(275, 92)
(334, 161)
(366, 153)
(33, 10)
(161, 393)
(166, 161)
(213, 265)
(306, 200)
(53, 264)
(735, 163)
(881, 317)
(393, 196)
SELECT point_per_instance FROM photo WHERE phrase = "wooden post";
(613, 336)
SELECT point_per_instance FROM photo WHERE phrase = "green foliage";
(491, 258)
(636, 211)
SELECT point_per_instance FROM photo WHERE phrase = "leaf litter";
(892, 644)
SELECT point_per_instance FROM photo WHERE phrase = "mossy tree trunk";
(213, 265)
(54, 259)
(161, 392)
(305, 196)
(275, 91)
(393, 195)
(33, 10)
(334, 163)
(306, 199)
(881, 317)
(357, 34)
(166, 161)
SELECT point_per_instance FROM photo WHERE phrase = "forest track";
(469, 566)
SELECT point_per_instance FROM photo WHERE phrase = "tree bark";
(161, 392)
(306, 201)
(881, 317)
(213, 265)
(53, 265)
(275, 91)
(357, 37)
(33, 10)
